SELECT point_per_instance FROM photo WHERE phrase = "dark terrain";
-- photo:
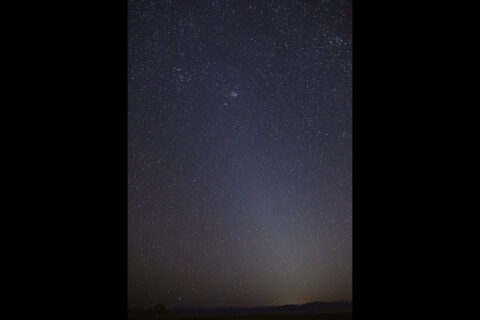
(339, 310)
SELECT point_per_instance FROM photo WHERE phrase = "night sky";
(239, 152)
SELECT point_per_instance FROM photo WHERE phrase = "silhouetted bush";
(160, 309)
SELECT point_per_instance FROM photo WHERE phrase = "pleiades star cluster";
(239, 152)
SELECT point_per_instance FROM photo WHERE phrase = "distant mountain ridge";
(312, 307)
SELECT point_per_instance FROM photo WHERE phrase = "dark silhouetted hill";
(308, 308)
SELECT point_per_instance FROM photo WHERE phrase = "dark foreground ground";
(335, 310)
(322, 316)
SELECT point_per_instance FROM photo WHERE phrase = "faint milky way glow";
(239, 152)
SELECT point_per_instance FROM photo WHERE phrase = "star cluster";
(240, 152)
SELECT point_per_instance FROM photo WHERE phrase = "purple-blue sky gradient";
(240, 152)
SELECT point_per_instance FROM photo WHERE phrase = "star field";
(239, 152)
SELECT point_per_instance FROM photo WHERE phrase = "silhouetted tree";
(160, 308)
